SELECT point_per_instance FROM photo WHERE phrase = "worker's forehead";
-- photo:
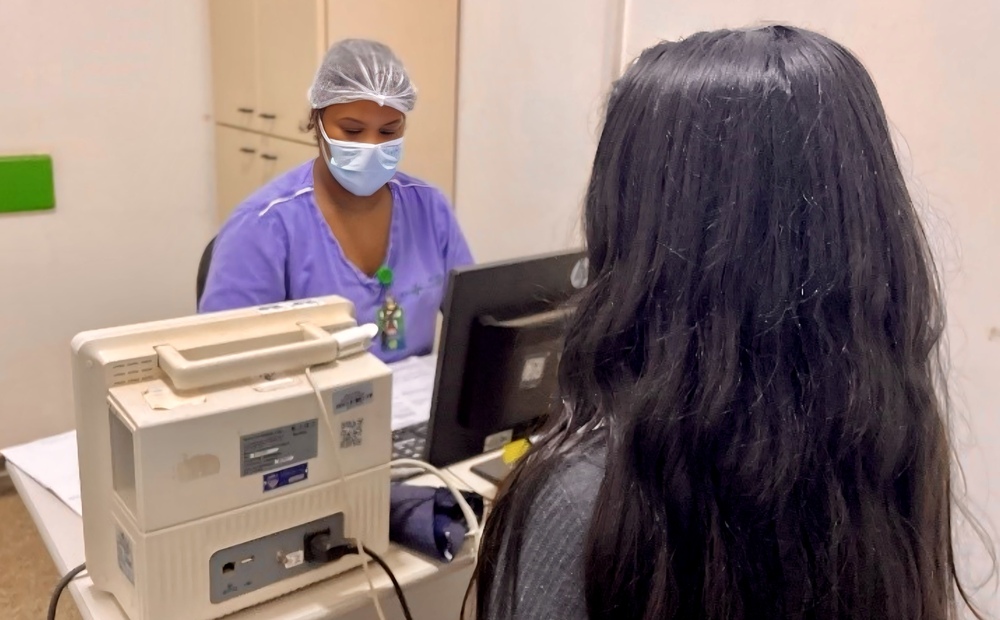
(363, 111)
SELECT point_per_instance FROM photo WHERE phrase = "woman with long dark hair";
(754, 426)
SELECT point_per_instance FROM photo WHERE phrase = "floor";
(27, 574)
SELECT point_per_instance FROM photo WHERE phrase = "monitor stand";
(493, 470)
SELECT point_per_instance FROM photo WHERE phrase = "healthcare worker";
(348, 223)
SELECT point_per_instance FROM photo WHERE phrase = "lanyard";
(391, 326)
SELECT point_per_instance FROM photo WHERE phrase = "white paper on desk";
(412, 390)
(52, 463)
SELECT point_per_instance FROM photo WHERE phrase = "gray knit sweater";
(550, 570)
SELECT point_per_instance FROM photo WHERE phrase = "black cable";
(395, 583)
(318, 548)
(68, 577)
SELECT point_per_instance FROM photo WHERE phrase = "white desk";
(433, 590)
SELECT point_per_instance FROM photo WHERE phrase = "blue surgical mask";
(362, 168)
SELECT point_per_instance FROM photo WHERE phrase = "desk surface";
(62, 531)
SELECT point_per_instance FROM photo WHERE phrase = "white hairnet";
(356, 70)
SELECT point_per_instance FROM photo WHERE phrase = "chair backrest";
(203, 266)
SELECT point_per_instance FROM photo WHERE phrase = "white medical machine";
(212, 476)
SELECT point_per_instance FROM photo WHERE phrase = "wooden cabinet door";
(290, 46)
(424, 34)
(234, 70)
(278, 156)
(238, 169)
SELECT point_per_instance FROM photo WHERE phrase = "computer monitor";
(499, 353)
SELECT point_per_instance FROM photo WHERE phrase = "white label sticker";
(271, 308)
(124, 549)
(580, 274)
(353, 396)
(281, 306)
(498, 440)
(533, 371)
(293, 559)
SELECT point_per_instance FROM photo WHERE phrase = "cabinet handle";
(245, 110)
(247, 149)
(269, 157)
(267, 116)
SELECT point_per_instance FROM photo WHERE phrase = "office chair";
(203, 266)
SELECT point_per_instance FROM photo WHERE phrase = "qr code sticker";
(350, 433)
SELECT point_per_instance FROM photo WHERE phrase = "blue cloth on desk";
(428, 520)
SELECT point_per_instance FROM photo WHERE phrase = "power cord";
(325, 414)
(321, 547)
(475, 530)
(68, 577)
(395, 583)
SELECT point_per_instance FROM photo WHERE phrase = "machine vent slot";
(133, 371)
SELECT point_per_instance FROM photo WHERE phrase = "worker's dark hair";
(312, 125)
(757, 350)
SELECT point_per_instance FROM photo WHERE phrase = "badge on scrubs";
(391, 325)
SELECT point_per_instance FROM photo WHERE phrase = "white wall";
(533, 76)
(117, 91)
(935, 64)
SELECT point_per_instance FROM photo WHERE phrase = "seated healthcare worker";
(347, 223)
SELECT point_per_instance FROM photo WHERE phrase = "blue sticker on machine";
(284, 477)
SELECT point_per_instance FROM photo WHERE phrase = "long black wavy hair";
(758, 350)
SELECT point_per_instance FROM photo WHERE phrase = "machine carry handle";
(319, 347)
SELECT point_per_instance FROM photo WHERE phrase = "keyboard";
(410, 442)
